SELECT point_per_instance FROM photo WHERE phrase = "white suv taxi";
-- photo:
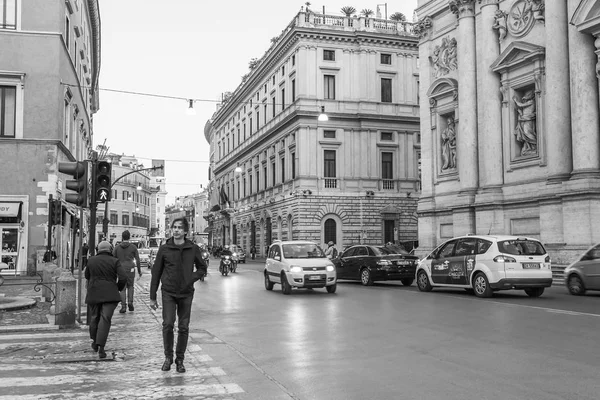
(484, 264)
(300, 264)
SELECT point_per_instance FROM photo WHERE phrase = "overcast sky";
(189, 49)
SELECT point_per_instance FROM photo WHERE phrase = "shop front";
(13, 235)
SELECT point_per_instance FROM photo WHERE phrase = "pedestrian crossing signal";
(103, 181)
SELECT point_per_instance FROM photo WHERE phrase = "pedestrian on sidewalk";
(105, 278)
(174, 270)
(253, 252)
(128, 255)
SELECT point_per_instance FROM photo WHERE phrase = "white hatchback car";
(300, 264)
(484, 264)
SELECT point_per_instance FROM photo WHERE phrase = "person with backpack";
(127, 254)
(331, 251)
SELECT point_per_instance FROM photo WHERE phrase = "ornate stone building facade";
(509, 121)
(277, 172)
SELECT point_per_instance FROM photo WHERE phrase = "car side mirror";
(277, 258)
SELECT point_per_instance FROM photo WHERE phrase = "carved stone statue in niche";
(525, 131)
(536, 7)
(500, 24)
(449, 145)
(444, 58)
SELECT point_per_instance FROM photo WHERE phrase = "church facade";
(510, 121)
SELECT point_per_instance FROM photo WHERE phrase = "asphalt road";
(392, 342)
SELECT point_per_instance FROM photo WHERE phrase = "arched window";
(330, 231)
(289, 227)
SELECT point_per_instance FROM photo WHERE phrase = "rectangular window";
(329, 134)
(238, 135)
(273, 79)
(265, 114)
(114, 217)
(386, 59)
(273, 173)
(125, 219)
(8, 111)
(282, 99)
(293, 90)
(244, 187)
(329, 55)
(250, 126)
(293, 60)
(238, 189)
(257, 120)
(265, 88)
(282, 169)
(329, 164)
(329, 87)
(8, 14)
(386, 136)
(67, 31)
(273, 99)
(282, 70)
(387, 165)
(293, 165)
(244, 127)
(386, 90)
(257, 179)
(265, 175)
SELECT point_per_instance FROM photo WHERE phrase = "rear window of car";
(384, 251)
(521, 247)
(303, 250)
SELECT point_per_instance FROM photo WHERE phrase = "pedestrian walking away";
(128, 255)
(331, 251)
(174, 271)
(106, 277)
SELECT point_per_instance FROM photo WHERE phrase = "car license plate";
(531, 266)
(314, 277)
(403, 262)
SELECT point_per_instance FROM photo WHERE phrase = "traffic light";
(103, 181)
(78, 170)
(56, 212)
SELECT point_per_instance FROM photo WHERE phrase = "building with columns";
(509, 121)
(278, 172)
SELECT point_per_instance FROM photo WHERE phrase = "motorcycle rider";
(225, 252)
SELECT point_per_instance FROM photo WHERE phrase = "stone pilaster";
(558, 97)
(584, 102)
(467, 95)
(490, 101)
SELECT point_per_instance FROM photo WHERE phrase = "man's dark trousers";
(127, 292)
(100, 320)
(182, 307)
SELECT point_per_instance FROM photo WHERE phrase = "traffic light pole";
(93, 207)
(105, 221)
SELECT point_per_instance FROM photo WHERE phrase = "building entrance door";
(388, 230)
(9, 244)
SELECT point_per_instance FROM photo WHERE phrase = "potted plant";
(348, 10)
(398, 17)
(367, 13)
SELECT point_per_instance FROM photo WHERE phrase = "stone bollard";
(50, 272)
(66, 294)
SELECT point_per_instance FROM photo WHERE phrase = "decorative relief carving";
(537, 8)
(525, 131)
(462, 8)
(500, 24)
(504, 91)
(444, 57)
(523, 15)
(423, 27)
(448, 140)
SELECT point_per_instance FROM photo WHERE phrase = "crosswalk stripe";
(70, 379)
(44, 335)
(187, 389)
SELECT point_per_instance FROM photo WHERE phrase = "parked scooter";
(225, 265)
(206, 257)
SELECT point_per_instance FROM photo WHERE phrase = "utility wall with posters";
(510, 121)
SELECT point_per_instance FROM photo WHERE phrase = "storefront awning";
(10, 209)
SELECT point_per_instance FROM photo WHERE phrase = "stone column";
(584, 101)
(490, 102)
(558, 97)
(467, 95)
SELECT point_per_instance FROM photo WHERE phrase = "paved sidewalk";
(60, 364)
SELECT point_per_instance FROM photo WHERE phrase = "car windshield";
(302, 250)
(383, 251)
(521, 247)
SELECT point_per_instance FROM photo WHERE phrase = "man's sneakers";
(101, 352)
(95, 347)
(167, 364)
(131, 307)
(123, 309)
(179, 366)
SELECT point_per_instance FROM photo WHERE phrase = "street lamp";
(323, 117)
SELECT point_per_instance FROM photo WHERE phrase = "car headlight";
(330, 268)
(295, 268)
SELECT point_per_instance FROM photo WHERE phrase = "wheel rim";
(575, 285)
(480, 284)
(266, 280)
(422, 280)
(365, 276)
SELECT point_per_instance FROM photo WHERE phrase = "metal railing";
(330, 183)
(388, 184)
(37, 286)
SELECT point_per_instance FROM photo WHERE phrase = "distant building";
(277, 172)
(49, 66)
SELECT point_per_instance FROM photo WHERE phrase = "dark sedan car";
(376, 263)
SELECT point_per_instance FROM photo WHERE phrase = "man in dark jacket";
(128, 255)
(174, 270)
(102, 297)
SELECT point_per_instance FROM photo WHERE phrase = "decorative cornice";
(462, 8)
(94, 13)
(423, 27)
(484, 3)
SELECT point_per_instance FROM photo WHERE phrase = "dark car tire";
(423, 282)
(286, 288)
(365, 277)
(332, 288)
(575, 286)
(481, 285)
(407, 281)
(534, 292)
(268, 284)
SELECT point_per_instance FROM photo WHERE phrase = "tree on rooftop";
(366, 12)
(398, 16)
(348, 10)
(253, 63)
